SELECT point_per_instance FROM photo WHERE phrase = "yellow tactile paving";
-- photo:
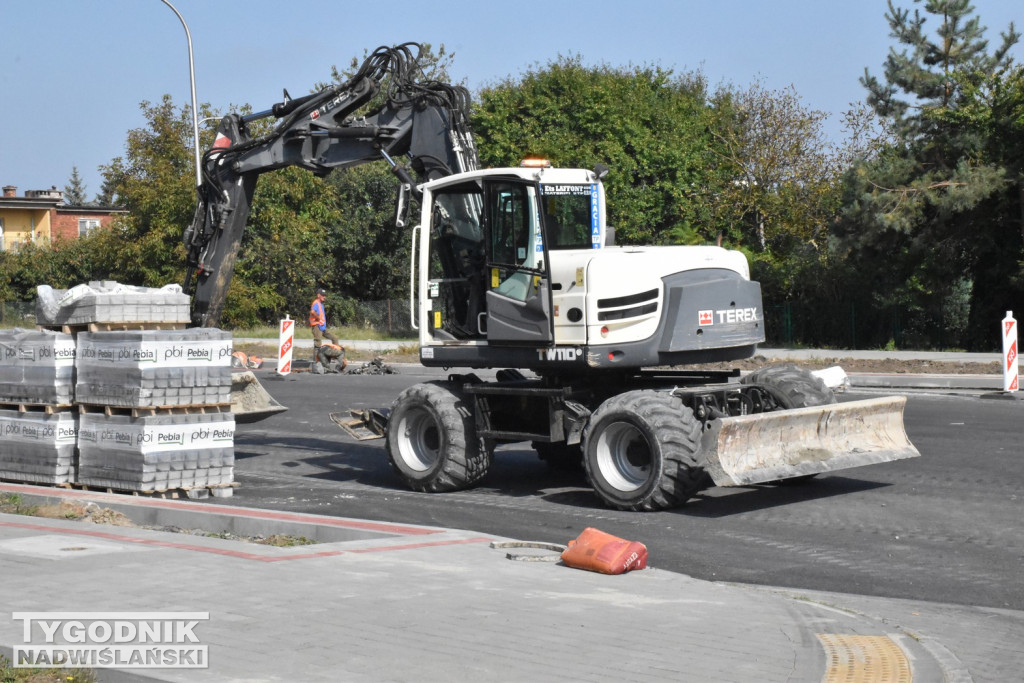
(864, 659)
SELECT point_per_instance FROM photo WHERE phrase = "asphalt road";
(944, 527)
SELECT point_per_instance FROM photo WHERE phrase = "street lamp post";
(192, 79)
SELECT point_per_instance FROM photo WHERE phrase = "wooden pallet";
(69, 328)
(173, 493)
(42, 408)
(151, 411)
(50, 484)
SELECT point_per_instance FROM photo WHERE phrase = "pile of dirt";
(83, 512)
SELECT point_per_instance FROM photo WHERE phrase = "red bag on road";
(597, 551)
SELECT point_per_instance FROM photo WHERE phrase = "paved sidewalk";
(386, 602)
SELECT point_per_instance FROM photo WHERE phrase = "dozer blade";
(362, 424)
(250, 402)
(752, 449)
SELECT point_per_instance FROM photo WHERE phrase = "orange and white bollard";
(1010, 371)
(286, 340)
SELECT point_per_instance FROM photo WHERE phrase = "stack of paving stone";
(110, 302)
(153, 397)
(36, 367)
(37, 428)
(154, 368)
(156, 452)
(133, 386)
(38, 447)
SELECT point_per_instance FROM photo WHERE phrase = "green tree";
(284, 250)
(370, 254)
(650, 126)
(107, 196)
(784, 190)
(74, 191)
(155, 182)
(920, 219)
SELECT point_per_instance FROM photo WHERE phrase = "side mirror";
(402, 205)
(600, 170)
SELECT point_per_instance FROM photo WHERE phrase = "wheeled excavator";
(515, 270)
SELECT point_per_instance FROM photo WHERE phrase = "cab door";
(518, 298)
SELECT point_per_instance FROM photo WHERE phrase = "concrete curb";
(216, 518)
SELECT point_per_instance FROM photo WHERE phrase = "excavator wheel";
(642, 451)
(792, 387)
(432, 442)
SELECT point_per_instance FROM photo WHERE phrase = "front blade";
(752, 449)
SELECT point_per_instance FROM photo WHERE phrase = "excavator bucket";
(250, 402)
(763, 447)
(362, 424)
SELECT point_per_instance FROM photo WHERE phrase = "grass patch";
(285, 541)
(13, 504)
(278, 540)
(10, 674)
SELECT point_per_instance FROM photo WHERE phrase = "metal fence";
(388, 317)
(17, 314)
(861, 327)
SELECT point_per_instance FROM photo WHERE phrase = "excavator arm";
(424, 122)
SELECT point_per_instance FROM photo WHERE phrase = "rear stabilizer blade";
(363, 424)
(753, 449)
(250, 402)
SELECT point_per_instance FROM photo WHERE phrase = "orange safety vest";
(317, 318)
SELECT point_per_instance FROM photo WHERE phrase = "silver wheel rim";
(624, 456)
(419, 439)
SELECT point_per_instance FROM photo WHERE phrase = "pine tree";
(74, 191)
(107, 195)
(920, 217)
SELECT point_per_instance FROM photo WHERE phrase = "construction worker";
(318, 323)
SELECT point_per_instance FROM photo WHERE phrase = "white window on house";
(87, 225)
(1, 234)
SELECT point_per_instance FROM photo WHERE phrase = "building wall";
(24, 225)
(65, 223)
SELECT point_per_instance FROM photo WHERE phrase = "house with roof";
(41, 217)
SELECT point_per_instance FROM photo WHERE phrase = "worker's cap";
(321, 292)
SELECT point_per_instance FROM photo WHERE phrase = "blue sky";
(73, 72)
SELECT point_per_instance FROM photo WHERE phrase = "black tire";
(642, 452)
(432, 442)
(792, 387)
(560, 457)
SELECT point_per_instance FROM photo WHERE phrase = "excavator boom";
(341, 126)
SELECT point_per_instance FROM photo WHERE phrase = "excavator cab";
(487, 277)
(518, 299)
